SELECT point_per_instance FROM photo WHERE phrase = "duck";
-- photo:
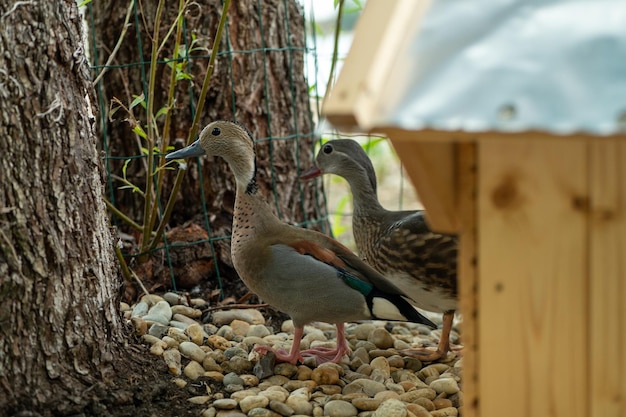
(398, 244)
(304, 273)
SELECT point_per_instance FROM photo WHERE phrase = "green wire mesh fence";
(148, 60)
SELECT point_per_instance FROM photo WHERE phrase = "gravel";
(216, 354)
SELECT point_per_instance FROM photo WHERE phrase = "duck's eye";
(327, 149)
(216, 131)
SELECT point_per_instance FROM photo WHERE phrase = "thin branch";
(152, 131)
(194, 127)
(333, 63)
(126, 272)
(168, 114)
(122, 216)
(117, 45)
(16, 5)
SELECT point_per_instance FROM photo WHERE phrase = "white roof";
(556, 66)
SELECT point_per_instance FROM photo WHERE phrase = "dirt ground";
(142, 385)
(143, 389)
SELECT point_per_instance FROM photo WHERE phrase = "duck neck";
(364, 195)
(251, 209)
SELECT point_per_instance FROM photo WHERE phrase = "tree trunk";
(258, 80)
(60, 330)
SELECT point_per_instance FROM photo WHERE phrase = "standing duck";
(301, 272)
(398, 244)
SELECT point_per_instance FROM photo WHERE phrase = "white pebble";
(300, 405)
(445, 412)
(365, 385)
(140, 309)
(192, 351)
(258, 330)
(248, 315)
(173, 360)
(339, 408)
(202, 399)
(225, 404)
(240, 395)
(209, 412)
(152, 318)
(193, 370)
(175, 299)
(150, 339)
(162, 308)
(151, 299)
(391, 408)
(179, 324)
(254, 401)
(194, 313)
(445, 385)
(275, 393)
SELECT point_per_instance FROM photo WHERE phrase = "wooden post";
(607, 286)
(467, 174)
(532, 247)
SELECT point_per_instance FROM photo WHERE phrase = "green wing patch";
(355, 283)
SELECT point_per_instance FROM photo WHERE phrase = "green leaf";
(124, 167)
(83, 3)
(318, 29)
(183, 76)
(112, 111)
(138, 130)
(138, 100)
(372, 143)
(163, 110)
(134, 188)
(144, 150)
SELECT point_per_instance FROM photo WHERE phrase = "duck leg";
(323, 355)
(294, 356)
(443, 348)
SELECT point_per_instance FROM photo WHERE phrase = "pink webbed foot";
(293, 356)
(282, 355)
(324, 355)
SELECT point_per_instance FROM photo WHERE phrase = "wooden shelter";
(514, 138)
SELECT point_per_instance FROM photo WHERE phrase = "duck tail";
(385, 306)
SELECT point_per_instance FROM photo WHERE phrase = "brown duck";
(303, 273)
(398, 244)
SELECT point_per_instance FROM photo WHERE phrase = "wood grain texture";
(468, 278)
(432, 168)
(607, 287)
(361, 87)
(532, 246)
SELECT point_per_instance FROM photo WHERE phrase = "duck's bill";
(311, 173)
(187, 152)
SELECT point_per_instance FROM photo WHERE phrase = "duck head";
(343, 157)
(228, 140)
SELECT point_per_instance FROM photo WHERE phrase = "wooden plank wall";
(533, 269)
(607, 361)
(542, 268)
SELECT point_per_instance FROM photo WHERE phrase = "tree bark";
(258, 80)
(59, 324)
